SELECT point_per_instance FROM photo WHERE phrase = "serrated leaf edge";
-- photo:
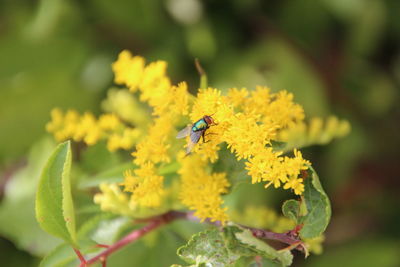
(42, 183)
(67, 195)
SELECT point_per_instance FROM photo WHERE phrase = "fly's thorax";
(200, 125)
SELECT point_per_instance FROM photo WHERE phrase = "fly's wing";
(194, 139)
(184, 132)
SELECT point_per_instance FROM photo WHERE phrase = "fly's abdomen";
(199, 125)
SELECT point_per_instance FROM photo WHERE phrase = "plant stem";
(80, 256)
(158, 221)
(133, 236)
(153, 223)
(286, 238)
(203, 75)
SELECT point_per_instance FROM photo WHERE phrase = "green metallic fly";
(196, 130)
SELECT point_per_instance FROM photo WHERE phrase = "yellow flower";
(125, 141)
(295, 184)
(128, 70)
(126, 107)
(91, 130)
(246, 136)
(154, 147)
(147, 187)
(112, 199)
(237, 97)
(87, 129)
(130, 181)
(283, 111)
(296, 164)
(201, 191)
(63, 126)
(57, 121)
(180, 101)
(207, 102)
(268, 166)
(109, 122)
(258, 101)
(316, 131)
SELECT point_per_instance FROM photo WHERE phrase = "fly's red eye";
(209, 120)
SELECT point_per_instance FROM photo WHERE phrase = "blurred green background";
(337, 56)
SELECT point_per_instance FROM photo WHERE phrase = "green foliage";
(318, 207)
(313, 213)
(291, 209)
(224, 248)
(54, 206)
(61, 256)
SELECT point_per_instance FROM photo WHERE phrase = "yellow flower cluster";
(146, 186)
(200, 191)
(247, 121)
(113, 200)
(153, 84)
(271, 167)
(90, 130)
(316, 131)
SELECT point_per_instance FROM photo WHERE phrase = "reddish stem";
(103, 262)
(102, 246)
(153, 224)
(286, 238)
(81, 258)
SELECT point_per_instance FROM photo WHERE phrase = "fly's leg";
(203, 135)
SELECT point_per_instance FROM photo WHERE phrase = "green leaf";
(318, 207)
(17, 209)
(61, 256)
(207, 247)
(291, 209)
(54, 206)
(225, 248)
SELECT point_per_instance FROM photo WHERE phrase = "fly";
(195, 131)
